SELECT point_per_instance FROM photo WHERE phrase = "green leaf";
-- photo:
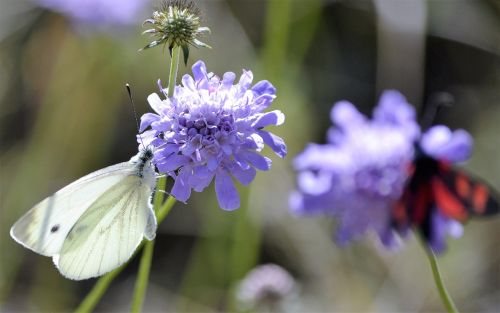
(185, 52)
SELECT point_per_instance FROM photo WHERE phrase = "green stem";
(143, 277)
(438, 279)
(174, 65)
(88, 304)
(161, 211)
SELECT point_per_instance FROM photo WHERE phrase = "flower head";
(361, 172)
(375, 175)
(176, 23)
(265, 286)
(97, 12)
(212, 128)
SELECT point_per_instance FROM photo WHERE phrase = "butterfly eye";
(54, 228)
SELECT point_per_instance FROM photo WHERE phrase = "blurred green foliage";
(64, 112)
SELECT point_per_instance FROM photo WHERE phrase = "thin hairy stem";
(88, 304)
(143, 277)
(174, 65)
(438, 279)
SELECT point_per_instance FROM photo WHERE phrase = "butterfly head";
(143, 156)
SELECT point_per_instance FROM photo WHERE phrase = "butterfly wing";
(109, 231)
(458, 195)
(435, 185)
(44, 228)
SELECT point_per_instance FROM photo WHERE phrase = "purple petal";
(181, 189)
(389, 239)
(148, 135)
(274, 142)
(439, 142)
(239, 159)
(227, 195)
(199, 71)
(390, 104)
(314, 183)
(275, 117)
(212, 162)
(438, 237)
(317, 156)
(303, 204)
(167, 149)
(147, 119)
(344, 115)
(253, 142)
(201, 178)
(258, 161)
(394, 109)
(264, 87)
(228, 79)
(246, 176)
(160, 87)
(156, 103)
(172, 162)
(246, 79)
(188, 82)
(262, 102)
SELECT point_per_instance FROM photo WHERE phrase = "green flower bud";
(176, 24)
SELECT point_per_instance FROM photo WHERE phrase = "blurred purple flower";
(360, 175)
(97, 12)
(212, 128)
(265, 286)
(361, 172)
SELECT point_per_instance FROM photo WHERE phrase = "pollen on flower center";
(204, 132)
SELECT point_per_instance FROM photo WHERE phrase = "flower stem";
(143, 277)
(174, 65)
(147, 255)
(141, 283)
(88, 304)
(438, 279)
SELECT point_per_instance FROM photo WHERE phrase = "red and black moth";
(435, 185)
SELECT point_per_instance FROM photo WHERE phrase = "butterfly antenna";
(129, 91)
(433, 106)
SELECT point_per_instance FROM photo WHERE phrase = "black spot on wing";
(54, 228)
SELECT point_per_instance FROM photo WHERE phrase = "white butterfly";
(93, 225)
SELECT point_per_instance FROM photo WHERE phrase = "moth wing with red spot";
(459, 196)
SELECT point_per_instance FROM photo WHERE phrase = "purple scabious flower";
(97, 12)
(361, 172)
(213, 128)
(266, 286)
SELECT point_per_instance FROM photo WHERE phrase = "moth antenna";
(436, 102)
(129, 91)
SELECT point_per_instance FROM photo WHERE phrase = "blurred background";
(64, 112)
